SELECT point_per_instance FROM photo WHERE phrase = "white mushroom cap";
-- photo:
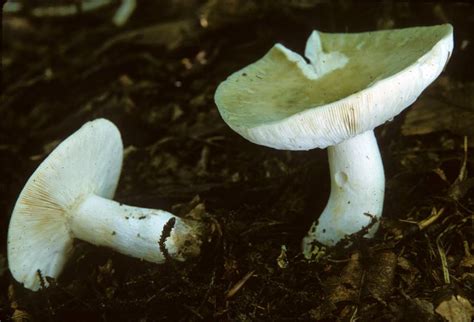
(39, 238)
(354, 83)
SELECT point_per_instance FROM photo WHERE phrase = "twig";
(164, 235)
(234, 289)
(444, 262)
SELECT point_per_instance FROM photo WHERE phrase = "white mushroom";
(353, 83)
(68, 196)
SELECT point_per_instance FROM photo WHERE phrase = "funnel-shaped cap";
(353, 83)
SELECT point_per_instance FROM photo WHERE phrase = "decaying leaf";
(456, 309)
(409, 272)
(346, 285)
(170, 35)
(452, 111)
(381, 274)
(19, 314)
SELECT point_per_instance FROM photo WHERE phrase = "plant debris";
(456, 309)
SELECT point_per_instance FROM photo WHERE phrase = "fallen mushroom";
(68, 196)
(352, 84)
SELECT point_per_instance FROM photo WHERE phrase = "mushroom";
(352, 83)
(69, 196)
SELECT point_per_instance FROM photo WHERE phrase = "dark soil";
(155, 79)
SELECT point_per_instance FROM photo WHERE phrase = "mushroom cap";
(353, 83)
(87, 162)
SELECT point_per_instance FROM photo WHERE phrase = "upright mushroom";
(68, 196)
(352, 83)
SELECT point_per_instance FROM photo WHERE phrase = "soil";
(155, 78)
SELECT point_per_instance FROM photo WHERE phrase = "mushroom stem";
(134, 231)
(357, 192)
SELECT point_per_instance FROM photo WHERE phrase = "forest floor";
(155, 78)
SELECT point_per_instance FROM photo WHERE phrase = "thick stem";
(357, 192)
(134, 231)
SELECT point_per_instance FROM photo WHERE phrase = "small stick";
(234, 289)
(166, 232)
